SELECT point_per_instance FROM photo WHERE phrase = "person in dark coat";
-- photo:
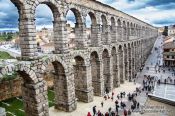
(94, 110)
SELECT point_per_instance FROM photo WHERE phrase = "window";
(172, 57)
(167, 56)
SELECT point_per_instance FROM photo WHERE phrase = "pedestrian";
(109, 109)
(94, 111)
(112, 98)
(125, 112)
(89, 114)
(102, 104)
(112, 93)
(105, 97)
(99, 113)
(121, 95)
(138, 104)
(124, 93)
(129, 112)
(112, 113)
(106, 114)
(116, 107)
(118, 96)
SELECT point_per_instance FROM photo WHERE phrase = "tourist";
(129, 112)
(116, 107)
(125, 112)
(112, 98)
(112, 113)
(105, 97)
(102, 104)
(99, 113)
(132, 108)
(89, 114)
(124, 94)
(106, 114)
(109, 110)
(94, 111)
(118, 96)
(112, 93)
(138, 104)
(107, 91)
(121, 95)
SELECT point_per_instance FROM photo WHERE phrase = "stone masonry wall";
(9, 89)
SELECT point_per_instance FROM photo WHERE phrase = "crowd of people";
(120, 103)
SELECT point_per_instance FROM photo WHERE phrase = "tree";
(165, 32)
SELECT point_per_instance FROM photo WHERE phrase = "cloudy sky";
(156, 12)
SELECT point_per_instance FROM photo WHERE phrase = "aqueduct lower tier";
(79, 74)
(120, 44)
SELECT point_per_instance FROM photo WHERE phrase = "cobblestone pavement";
(83, 108)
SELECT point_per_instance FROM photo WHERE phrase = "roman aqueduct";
(120, 44)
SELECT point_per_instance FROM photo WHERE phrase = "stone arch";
(96, 75)
(83, 80)
(129, 61)
(113, 23)
(31, 87)
(77, 14)
(119, 30)
(103, 19)
(81, 40)
(106, 70)
(93, 18)
(104, 29)
(63, 83)
(128, 30)
(116, 81)
(113, 30)
(18, 3)
(121, 63)
(124, 30)
(53, 5)
(93, 30)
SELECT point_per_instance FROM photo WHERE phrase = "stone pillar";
(133, 62)
(136, 58)
(116, 81)
(96, 35)
(35, 99)
(126, 63)
(107, 75)
(106, 34)
(114, 34)
(81, 40)
(130, 63)
(111, 74)
(84, 90)
(121, 67)
(124, 32)
(27, 34)
(60, 37)
(119, 31)
(98, 84)
(64, 91)
(128, 33)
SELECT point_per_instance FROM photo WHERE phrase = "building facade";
(169, 52)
